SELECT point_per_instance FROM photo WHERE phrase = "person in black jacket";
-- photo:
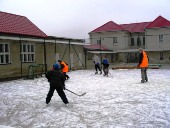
(56, 79)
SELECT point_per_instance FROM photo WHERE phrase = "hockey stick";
(110, 74)
(76, 93)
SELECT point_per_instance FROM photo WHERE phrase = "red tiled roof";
(109, 26)
(20, 25)
(159, 22)
(135, 27)
(96, 47)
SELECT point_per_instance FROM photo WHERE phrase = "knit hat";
(56, 67)
(140, 49)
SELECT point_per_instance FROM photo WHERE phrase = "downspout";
(21, 55)
(45, 62)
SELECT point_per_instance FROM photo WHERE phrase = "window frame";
(161, 38)
(132, 42)
(144, 39)
(114, 41)
(5, 55)
(27, 52)
(98, 41)
(138, 41)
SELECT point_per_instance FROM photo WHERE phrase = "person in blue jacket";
(105, 66)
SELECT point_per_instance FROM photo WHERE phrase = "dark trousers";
(66, 76)
(97, 66)
(144, 74)
(106, 69)
(60, 93)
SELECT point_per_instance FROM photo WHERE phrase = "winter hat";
(140, 49)
(56, 67)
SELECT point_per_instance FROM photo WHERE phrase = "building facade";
(25, 49)
(125, 39)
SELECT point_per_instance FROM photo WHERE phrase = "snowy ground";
(117, 101)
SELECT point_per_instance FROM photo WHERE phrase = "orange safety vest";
(65, 69)
(144, 63)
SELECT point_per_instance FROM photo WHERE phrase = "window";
(143, 41)
(4, 53)
(160, 38)
(98, 41)
(138, 41)
(114, 40)
(27, 53)
(161, 56)
(132, 42)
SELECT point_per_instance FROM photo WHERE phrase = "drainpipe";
(21, 55)
(45, 62)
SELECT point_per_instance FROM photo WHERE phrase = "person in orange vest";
(143, 65)
(64, 68)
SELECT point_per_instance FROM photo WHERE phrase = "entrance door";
(80, 59)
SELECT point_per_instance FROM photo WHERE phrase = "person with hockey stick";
(105, 66)
(143, 65)
(64, 68)
(56, 79)
(96, 61)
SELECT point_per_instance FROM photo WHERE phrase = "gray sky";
(76, 18)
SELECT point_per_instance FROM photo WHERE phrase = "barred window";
(4, 53)
(27, 53)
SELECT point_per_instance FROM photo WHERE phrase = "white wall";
(152, 38)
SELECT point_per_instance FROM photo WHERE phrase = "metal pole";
(45, 61)
(69, 55)
(85, 58)
(55, 51)
(100, 50)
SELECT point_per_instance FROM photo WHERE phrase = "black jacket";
(140, 58)
(56, 78)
